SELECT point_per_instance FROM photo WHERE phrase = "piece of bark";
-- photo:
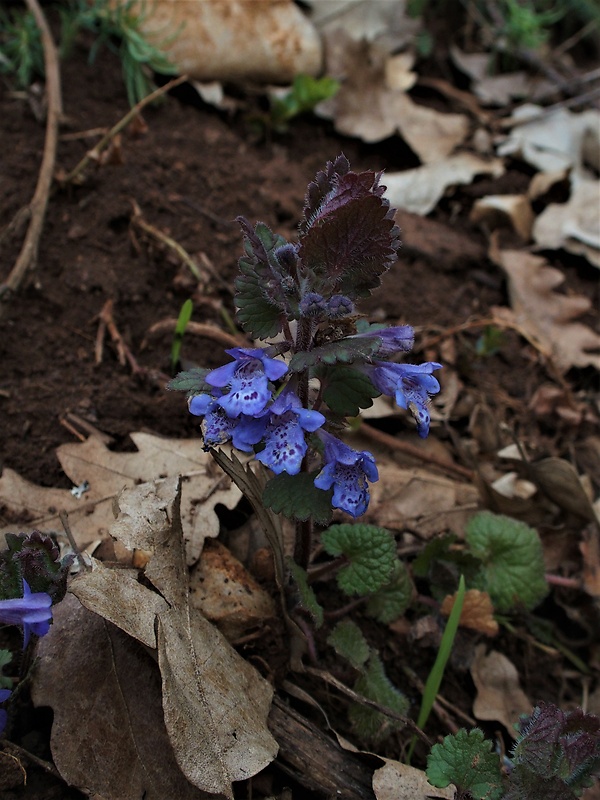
(316, 760)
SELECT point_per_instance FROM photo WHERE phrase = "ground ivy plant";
(287, 402)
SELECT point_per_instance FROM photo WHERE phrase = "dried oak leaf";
(499, 695)
(543, 315)
(397, 781)
(477, 612)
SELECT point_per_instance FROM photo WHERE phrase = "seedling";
(306, 93)
(183, 319)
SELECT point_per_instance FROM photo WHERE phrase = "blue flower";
(219, 428)
(348, 472)
(410, 384)
(395, 339)
(32, 611)
(248, 379)
(4, 695)
(285, 445)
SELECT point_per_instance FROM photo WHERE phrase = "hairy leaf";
(465, 759)
(371, 725)
(350, 238)
(392, 600)
(190, 381)
(347, 390)
(321, 187)
(371, 552)
(33, 557)
(348, 641)
(307, 597)
(344, 351)
(297, 497)
(512, 570)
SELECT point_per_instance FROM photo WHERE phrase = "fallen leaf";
(574, 225)
(477, 611)
(270, 41)
(419, 190)
(544, 315)
(226, 594)
(552, 140)
(397, 781)
(361, 67)
(561, 483)
(107, 473)
(499, 695)
(590, 550)
(108, 728)
(385, 20)
(495, 210)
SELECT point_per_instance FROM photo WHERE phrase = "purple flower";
(348, 472)
(339, 306)
(410, 384)
(285, 445)
(32, 611)
(395, 339)
(312, 305)
(248, 379)
(4, 695)
(218, 427)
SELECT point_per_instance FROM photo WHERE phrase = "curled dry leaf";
(107, 473)
(397, 781)
(545, 316)
(496, 210)
(270, 41)
(227, 595)
(419, 190)
(477, 612)
(499, 695)
(105, 692)
(574, 225)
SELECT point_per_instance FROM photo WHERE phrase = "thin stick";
(20, 753)
(64, 518)
(27, 259)
(198, 329)
(94, 153)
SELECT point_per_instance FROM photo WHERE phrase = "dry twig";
(36, 210)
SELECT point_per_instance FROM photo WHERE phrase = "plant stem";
(304, 529)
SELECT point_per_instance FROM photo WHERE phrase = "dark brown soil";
(192, 172)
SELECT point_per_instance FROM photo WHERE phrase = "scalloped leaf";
(190, 381)
(512, 570)
(350, 239)
(392, 600)
(374, 684)
(322, 186)
(346, 390)
(308, 599)
(371, 552)
(348, 642)
(344, 351)
(260, 299)
(297, 497)
(465, 759)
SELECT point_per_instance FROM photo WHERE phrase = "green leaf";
(371, 725)
(5, 658)
(297, 497)
(371, 552)
(512, 570)
(392, 600)
(346, 390)
(349, 643)
(344, 351)
(185, 315)
(191, 381)
(465, 759)
(308, 599)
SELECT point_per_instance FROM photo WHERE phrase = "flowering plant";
(287, 402)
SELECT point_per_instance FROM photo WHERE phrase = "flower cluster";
(304, 297)
(33, 611)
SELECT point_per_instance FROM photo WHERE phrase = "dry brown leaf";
(477, 611)
(108, 724)
(499, 695)
(495, 210)
(574, 225)
(385, 21)
(269, 40)
(590, 550)
(419, 499)
(361, 66)
(397, 781)
(108, 473)
(545, 316)
(419, 190)
(226, 594)
(561, 483)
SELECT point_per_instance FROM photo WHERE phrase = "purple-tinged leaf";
(322, 186)
(344, 351)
